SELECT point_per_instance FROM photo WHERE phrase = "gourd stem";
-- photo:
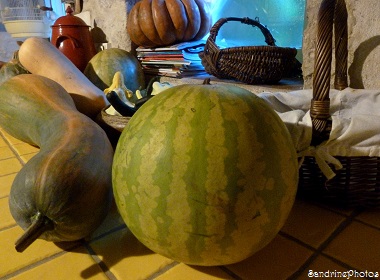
(39, 225)
(149, 88)
(207, 81)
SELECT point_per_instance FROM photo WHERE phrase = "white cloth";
(355, 124)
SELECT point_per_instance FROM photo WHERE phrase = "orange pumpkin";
(154, 23)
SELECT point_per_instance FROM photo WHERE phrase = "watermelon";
(205, 174)
(102, 67)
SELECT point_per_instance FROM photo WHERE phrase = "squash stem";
(149, 88)
(39, 225)
(207, 81)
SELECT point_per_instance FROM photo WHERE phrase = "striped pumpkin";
(205, 174)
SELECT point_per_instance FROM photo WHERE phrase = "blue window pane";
(284, 18)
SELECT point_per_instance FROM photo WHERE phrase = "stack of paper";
(177, 60)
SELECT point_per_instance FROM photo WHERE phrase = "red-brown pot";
(71, 35)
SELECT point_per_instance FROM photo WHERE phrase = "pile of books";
(179, 60)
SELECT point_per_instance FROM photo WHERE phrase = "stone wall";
(363, 43)
(110, 21)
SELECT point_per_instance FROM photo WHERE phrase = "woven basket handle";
(216, 27)
(331, 13)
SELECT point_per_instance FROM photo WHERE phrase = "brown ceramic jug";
(71, 35)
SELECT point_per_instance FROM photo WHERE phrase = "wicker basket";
(247, 64)
(112, 125)
(358, 183)
(115, 122)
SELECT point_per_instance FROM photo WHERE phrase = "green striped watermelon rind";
(205, 174)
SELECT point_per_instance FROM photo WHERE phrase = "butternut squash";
(63, 193)
(40, 57)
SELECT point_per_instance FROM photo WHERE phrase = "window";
(284, 19)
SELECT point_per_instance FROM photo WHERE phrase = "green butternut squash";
(40, 57)
(63, 193)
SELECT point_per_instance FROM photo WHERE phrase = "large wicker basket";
(247, 64)
(358, 183)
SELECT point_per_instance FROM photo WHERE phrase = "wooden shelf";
(284, 85)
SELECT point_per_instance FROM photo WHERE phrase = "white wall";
(8, 45)
(110, 18)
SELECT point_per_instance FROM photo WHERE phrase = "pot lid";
(69, 19)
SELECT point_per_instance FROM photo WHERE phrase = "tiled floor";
(315, 239)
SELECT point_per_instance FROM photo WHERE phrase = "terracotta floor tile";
(39, 250)
(6, 152)
(76, 264)
(185, 272)
(2, 142)
(6, 183)
(371, 217)
(11, 139)
(9, 166)
(279, 260)
(25, 158)
(311, 224)
(126, 257)
(24, 149)
(111, 222)
(323, 265)
(346, 211)
(357, 245)
(6, 219)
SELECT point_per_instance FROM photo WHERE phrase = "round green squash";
(102, 67)
(205, 174)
